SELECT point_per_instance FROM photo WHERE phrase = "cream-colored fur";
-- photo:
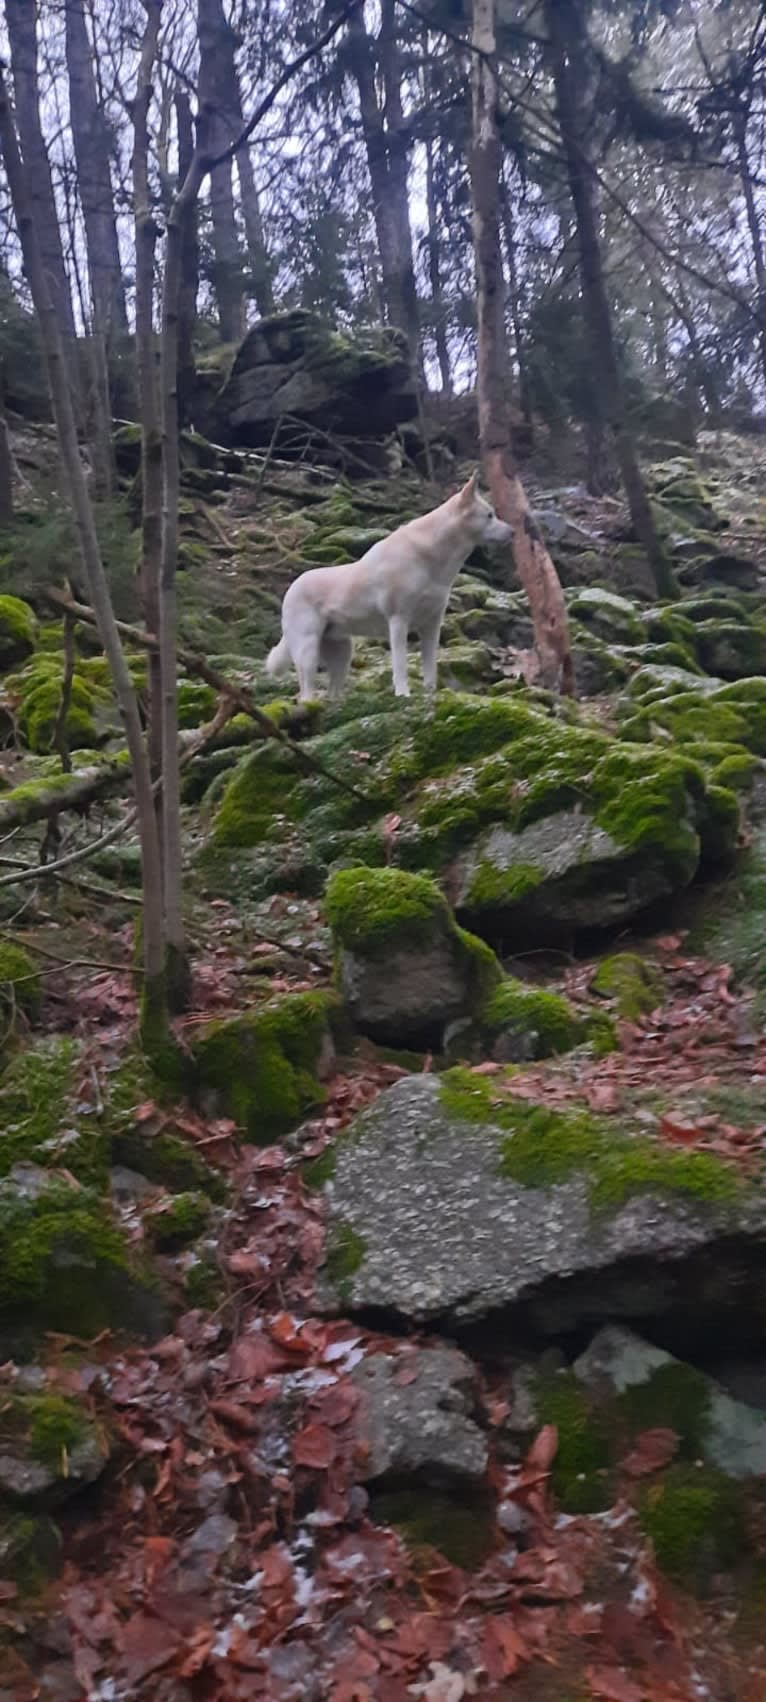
(401, 585)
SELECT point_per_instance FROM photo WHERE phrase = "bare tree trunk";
(568, 63)
(515, 305)
(92, 145)
(533, 563)
(6, 462)
(187, 304)
(154, 1005)
(227, 278)
(754, 227)
(21, 21)
(396, 267)
(148, 378)
(257, 252)
(398, 150)
(435, 276)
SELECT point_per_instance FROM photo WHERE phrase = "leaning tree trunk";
(21, 21)
(227, 270)
(148, 379)
(154, 1005)
(568, 63)
(92, 145)
(533, 563)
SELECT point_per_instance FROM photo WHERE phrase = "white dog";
(401, 585)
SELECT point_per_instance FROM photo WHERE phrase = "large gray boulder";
(453, 1200)
(294, 365)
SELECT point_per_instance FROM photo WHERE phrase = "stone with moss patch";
(18, 632)
(65, 1266)
(20, 985)
(39, 1122)
(173, 1223)
(405, 969)
(518, 1023)
(49, 1449)
(695, 1518)
(497, 1203)
(264, 1069)
(30, 1551)
(634, 985)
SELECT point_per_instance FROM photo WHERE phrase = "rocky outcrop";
(294, 367)
(556, 1219)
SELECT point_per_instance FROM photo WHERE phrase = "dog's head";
(484, 522)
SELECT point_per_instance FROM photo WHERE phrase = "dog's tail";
(278, 659)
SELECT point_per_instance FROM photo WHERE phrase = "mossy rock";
(39, 711)
(695, 1518)
(20, 985)
(635, 986)
(196, 703)
(610, 616)
(39, 1122)
(725, 715)
(405, 968)
(18, 632)
(583, 1476)
(30, 1551)
(49, 1449)
(264, 1069)
(174, 1223)
(517, 1024)
(347, 544)
(65, 1266)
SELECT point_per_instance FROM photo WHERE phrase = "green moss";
(582, 1480)
(612, 617)
(695, 1519)
(262, 1067)
(30, 1551)
(546, 1018)
(317, 1172)
(64, 1266)
(542, 1148)
(39, 1122)
(162, 1157)
(39, 689)
(344, 1255)
(176, 1222)
(50, 1425)
(196, 703)
(735, 772)
(20, 983)
(428, 1519)
(674, 1397)
(253, 803)
(490, 885)
(18, 631)
(635, 986)
(204, 1285)
(369, 908)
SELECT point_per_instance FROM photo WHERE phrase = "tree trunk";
(754, 227)
(227, 272)
(92, 144)
(533, 563)
(388, 212)
(21, 21)
(154, 1006)
(398, 149)
(569, 67)
(187, 304)
(6, 462)
(515, 306)
(435, 276)
(148, 379)
(257, 252)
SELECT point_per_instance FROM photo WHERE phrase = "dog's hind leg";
(335, 655)
(429, 651)
(397, 638)
(306, 658)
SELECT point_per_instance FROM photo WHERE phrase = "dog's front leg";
(397, 638)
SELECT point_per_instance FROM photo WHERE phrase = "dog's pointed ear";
(469, 489)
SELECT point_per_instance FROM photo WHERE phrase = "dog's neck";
(456, 531)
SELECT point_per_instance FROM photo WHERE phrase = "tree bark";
(227, 273)
(148, 377)
(569, 67)
(92, 144)
(754, 227)
(434, 242)
(391, 215)
(515, 305)
(533, 563)
(61, 399)
(6, 461)
(21, 21)
(187, 303)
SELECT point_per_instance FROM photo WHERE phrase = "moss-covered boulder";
(695, 1519)
(38, 689)
(453, 1198)
(537, 822)
(634, 985)
(175, 1222)
(30, 1550)
(294, 363)
(39, 1122)
(517, 1023)
(265, 1068)
(49, 1449)
(405, 968)
(18, 632)
(610, 616)
(20, 987)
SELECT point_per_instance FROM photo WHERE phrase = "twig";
(267, 460)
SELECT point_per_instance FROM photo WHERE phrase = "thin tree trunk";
(564, 23)
(148, 378)
(754, 227)
(398, 175)
(257, 252)
(154, 1005)
(187, 304)
(6, 461)
(398, 293)
(533, 563)
(434, 275)
(92, 145)
(515, 307)
(21, 21)
(227, 276)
